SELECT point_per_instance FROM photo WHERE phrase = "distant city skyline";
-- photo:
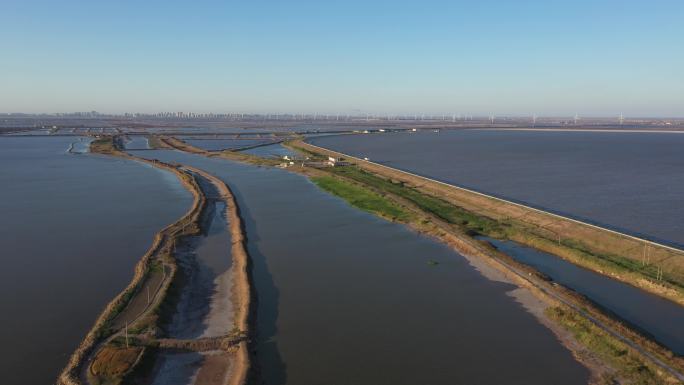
(502, 58)
(575, 119)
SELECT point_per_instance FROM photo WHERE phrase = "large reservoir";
(629, 181)
(72, 228)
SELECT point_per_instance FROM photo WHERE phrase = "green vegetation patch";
(113, 362)
(477, 224)
(362, 198)
(445, 210)
(578, 253)
(104, 145)
(629, 365)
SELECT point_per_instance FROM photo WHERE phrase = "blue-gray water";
(225, 144)
(271, 151)
(344, 297)
(632, 182)
(137, 142)
(654, 315)
(72, 228)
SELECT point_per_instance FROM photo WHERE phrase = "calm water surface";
(628, 181)
(652, 314)
(271, 151)
(72, 228)
(225, 144)
(347, 298)
(136, 142)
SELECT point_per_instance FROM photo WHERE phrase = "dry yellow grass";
(112, 363)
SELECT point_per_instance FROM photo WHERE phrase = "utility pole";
(643, 258)
(126, 327)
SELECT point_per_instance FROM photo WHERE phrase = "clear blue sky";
(475, 57)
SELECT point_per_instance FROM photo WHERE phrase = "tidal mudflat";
(73, 227)
(345, 297)
(629, 181)
(203, 307)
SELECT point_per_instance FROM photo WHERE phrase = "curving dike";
(77, 369)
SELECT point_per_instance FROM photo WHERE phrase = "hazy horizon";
(340, 116)
(436, 57)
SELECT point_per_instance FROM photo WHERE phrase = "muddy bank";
(613, 332)
(344, 296)
(207, 368)
(135, 307)
(127, 304)
(204, 305)
(241, 288)
(63, 219)
(609, 250)
(212, 304)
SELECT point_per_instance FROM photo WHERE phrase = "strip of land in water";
(651, 266)
(614, 351)
(125, 339)
(446, 214)
(581, 130)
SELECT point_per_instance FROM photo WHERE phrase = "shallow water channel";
(653, 315)
(72, 227)
(276, 150)
(344, 297)
(204, 307)
(136, 142)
